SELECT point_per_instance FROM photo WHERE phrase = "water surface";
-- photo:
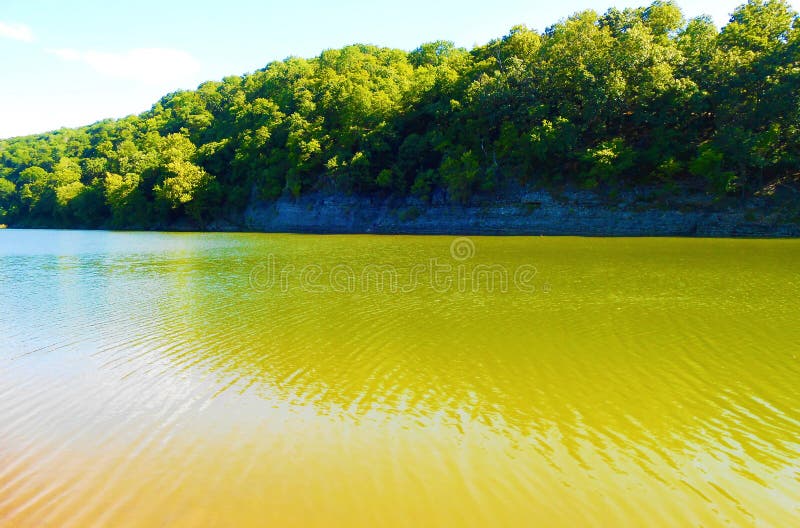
(152, 379)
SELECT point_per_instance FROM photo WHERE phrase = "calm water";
(240, 379)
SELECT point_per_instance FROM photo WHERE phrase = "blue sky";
(73, 63)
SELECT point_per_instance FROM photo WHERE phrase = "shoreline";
(537, 213)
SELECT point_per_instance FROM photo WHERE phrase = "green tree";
(630, 97)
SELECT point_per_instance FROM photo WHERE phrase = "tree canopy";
(625, 98)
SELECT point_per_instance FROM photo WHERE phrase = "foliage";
(623, 98)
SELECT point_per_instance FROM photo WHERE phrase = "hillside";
(640, 98)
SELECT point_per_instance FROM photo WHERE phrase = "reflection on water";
(144, 380)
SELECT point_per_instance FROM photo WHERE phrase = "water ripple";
(143, 382)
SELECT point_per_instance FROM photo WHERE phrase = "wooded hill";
(626, 98)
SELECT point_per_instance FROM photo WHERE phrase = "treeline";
(632, 97)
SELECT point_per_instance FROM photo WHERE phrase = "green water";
(244, 379)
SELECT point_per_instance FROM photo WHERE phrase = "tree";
(184, 180)
(7, 189)
(34, 183)
(7, 193)
(632, 96)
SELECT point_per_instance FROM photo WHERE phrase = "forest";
(627, 98)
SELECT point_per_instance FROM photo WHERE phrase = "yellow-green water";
(164, 380)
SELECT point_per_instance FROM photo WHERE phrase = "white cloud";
(66, 54)
(16, 32)
(145, 65)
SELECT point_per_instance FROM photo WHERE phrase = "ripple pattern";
(145, 381)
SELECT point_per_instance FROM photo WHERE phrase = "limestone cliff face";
(526, 213)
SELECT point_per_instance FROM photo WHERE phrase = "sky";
(74, 63)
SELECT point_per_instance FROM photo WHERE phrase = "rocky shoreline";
(531, 213)
(577, 213)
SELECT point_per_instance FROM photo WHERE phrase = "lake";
(151, 379)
